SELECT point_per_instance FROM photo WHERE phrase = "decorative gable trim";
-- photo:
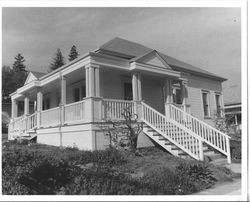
(30, 77)
(147, 57)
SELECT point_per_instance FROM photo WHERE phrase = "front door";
(128, 93)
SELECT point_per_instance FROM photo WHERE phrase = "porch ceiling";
(75, 76)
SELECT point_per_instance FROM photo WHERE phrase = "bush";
(103, 180)
(164, 181)
(198, 174)
(109, 156)
(33, 173)
(235, 147)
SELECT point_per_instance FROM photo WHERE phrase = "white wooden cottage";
(175, 101)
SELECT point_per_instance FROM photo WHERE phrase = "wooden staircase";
(179, 139)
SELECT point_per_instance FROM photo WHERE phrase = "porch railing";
(114, 109)
(74, 112)
(184, 107)
(50, 117)
(23, 124)
(210, 135)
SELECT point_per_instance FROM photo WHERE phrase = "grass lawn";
(101, 172)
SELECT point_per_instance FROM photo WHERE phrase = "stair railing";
(209, 134)
(188, 142)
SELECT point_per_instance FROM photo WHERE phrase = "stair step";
(156, 134)
(214, 157)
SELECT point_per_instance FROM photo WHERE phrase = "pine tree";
(73, 53)
(18, 64)
(57, 61)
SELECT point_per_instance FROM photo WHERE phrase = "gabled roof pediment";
(151, 58)
(32, 76)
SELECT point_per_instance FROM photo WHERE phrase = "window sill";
(207, 117)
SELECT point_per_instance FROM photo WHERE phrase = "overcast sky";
(208, 38)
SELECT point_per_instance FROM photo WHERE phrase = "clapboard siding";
(195, 86)
(152, 93)
(112, 85)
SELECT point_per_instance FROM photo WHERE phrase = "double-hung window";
(205, 101)
(218, 104)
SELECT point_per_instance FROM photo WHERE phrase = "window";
(46, 103)
(218, 104)
(205, 104)
(76, 94)
(79, 92)
(128, 95)
(177, 96)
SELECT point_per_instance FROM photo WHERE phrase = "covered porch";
(95, 93)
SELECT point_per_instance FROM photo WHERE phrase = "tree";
(73, 53)
(124, 134)
(11, 80)
(18, 64)
(57, 61)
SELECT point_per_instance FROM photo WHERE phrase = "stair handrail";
(200, 147)
(225, 149)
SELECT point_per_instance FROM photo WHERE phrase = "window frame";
(220, 102)
(80, 85)
(208, 116)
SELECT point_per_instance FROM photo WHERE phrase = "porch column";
(91, 79)
(39, 106)
(63, 90)
(13, 109)
(97, 81)
(87, 80)
(93, 102)
(137, 93)
(169, 95)
(184, 93)
(26, 105)
(139, 86)
(136, 85)
(63, 98)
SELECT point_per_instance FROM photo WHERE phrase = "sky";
(209, 38)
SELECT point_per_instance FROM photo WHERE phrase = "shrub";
(235, 149)
(198, 174)
(103, 180)
(164, 181)
(33, 173)
(109, 156)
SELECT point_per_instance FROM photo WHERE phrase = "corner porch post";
(184, 92)
(93, 102)
(26, 105)
(169, 95)
(135, 87)
(137, 93)
(39, 106)
(97, 81)
(14, 109)
(63, 98)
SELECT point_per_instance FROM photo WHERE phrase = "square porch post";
(137, 93)
(26, 105)
(39, 106)
(63, 98)
(184, 94)
(93, 101)
(14, 108)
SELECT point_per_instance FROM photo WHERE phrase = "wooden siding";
(152, 93)
(195, 87)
